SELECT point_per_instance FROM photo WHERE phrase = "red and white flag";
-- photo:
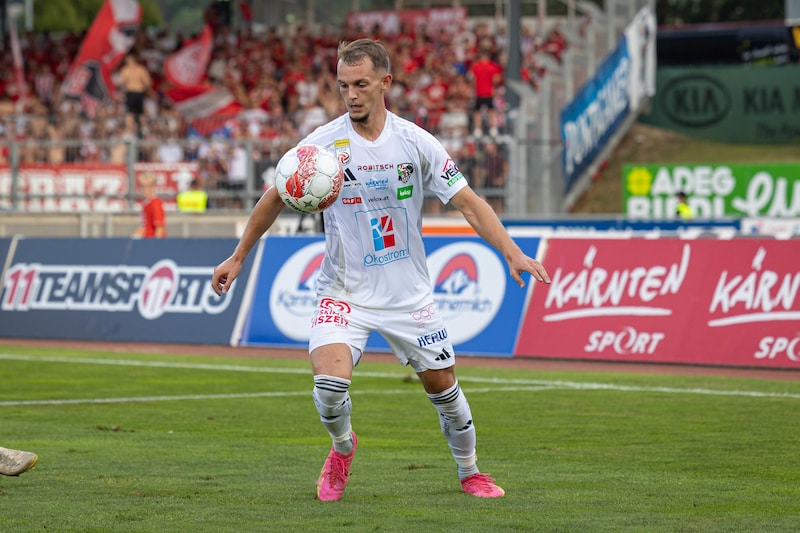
(187, 67)
(205, 105)
(108, 40)
(19, 67)
(202, 101)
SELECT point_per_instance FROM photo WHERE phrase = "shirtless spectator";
(135, 80)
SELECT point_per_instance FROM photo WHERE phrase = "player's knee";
(331, 395)
(453, 409)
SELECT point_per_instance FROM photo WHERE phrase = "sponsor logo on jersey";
(335, 305)
(341, 147)
(383, 242)
(404, 193)
(382, 232)
(444, 356)
(375, 167)
(331, 311)
(350, 179)
(350, 200)
(378, 199)
(432, 338)
(378, 184)
(153, 291)
(404, 171)
(450, 173)
(421, 316)
(383, 235)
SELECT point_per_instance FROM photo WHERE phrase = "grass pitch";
(153, 443)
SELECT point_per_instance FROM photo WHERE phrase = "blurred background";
(602, 110)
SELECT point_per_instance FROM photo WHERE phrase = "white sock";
(333, 404)
(457, 427)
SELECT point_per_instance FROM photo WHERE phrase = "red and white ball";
(309, 178)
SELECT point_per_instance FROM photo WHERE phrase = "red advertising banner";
(84, 188)
(720, 302)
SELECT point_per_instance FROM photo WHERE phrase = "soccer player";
(16, 462)
(374, 275)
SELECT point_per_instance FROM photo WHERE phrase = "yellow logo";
(639, 181)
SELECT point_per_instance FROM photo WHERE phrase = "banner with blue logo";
(143, 290)
(480, 302)
(285, 292)
(596, 112)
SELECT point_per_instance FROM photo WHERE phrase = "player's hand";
(532, 266)
(224, 274)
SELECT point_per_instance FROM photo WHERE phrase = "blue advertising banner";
(481, 304)
(283, 299)
(573, 224)
(144, 290)
(4, 245)
(596, 112)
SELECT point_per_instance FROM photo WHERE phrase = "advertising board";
(722, 302)
(480, 302)
(713, 190)
(87, 187)
(729, 104)
(150, 290)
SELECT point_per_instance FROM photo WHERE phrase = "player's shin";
(457, 427)
(334, 406)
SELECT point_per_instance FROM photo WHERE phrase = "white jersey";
(374, 254)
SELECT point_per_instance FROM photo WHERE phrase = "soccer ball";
(309, 178)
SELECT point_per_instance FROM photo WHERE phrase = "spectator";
(135, 80)
(497, 168)
(194, 199)
(310, 116)
(153, 223)
(170, 151)
(683, 210)
(486, 76)
(434, 100)
(235, 165)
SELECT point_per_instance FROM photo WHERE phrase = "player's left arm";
(484, 221)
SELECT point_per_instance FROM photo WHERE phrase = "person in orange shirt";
(153, 223)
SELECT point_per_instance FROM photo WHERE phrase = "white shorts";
(417, 338)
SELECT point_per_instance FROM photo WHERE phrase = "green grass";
(192, 444)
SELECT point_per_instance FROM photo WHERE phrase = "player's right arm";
(261, 219)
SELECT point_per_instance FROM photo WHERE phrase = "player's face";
(362, 88)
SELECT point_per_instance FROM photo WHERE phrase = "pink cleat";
(335, 474)
(482, 486)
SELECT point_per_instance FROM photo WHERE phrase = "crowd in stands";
(285, 83)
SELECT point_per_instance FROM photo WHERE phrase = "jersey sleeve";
(441, 174)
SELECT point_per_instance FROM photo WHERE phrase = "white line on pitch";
(134, 399)
(550, 384)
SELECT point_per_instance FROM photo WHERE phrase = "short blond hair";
(351, 53)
